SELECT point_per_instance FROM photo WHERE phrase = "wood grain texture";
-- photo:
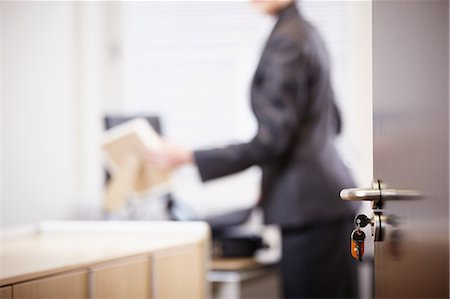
(180, 275)
(123, 279)
(72, 285)
(228, 264)
(6, 293)
(34, 256)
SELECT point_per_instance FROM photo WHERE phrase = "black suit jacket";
(293, 102)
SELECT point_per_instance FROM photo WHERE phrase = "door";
(411, 146)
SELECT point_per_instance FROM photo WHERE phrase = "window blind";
(191, 63)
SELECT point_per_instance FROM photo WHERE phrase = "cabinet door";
(129, 278)
(6, 293)
(180, 274)
(73, 285)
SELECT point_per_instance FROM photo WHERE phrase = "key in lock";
(357, 244)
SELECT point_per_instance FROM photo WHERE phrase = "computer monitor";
(111, 121)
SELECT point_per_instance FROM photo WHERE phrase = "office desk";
(243, 278)
(106, 260)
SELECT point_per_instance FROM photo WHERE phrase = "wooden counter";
(106, 260)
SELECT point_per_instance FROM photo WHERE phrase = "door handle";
(361, 194)
(377, 194)
(368, 194)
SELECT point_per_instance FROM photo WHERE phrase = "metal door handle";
(369, 194)
(359, 194)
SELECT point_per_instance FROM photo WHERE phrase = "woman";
(298, 120)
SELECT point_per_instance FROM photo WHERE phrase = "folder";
(124, 147)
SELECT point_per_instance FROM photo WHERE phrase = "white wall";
(38, 83)
(359, 113)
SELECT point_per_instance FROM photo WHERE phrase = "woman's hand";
(169, 156)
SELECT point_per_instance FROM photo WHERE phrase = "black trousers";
(316, 261)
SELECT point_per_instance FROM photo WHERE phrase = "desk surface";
(234, 264)
(62, 246)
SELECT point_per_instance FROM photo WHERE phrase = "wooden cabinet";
(72, 285)
(6, 293)
(122, 279)
(178, 275)
(108, 260)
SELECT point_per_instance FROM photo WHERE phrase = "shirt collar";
(288, 12)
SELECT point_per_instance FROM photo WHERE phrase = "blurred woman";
(302, 173)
